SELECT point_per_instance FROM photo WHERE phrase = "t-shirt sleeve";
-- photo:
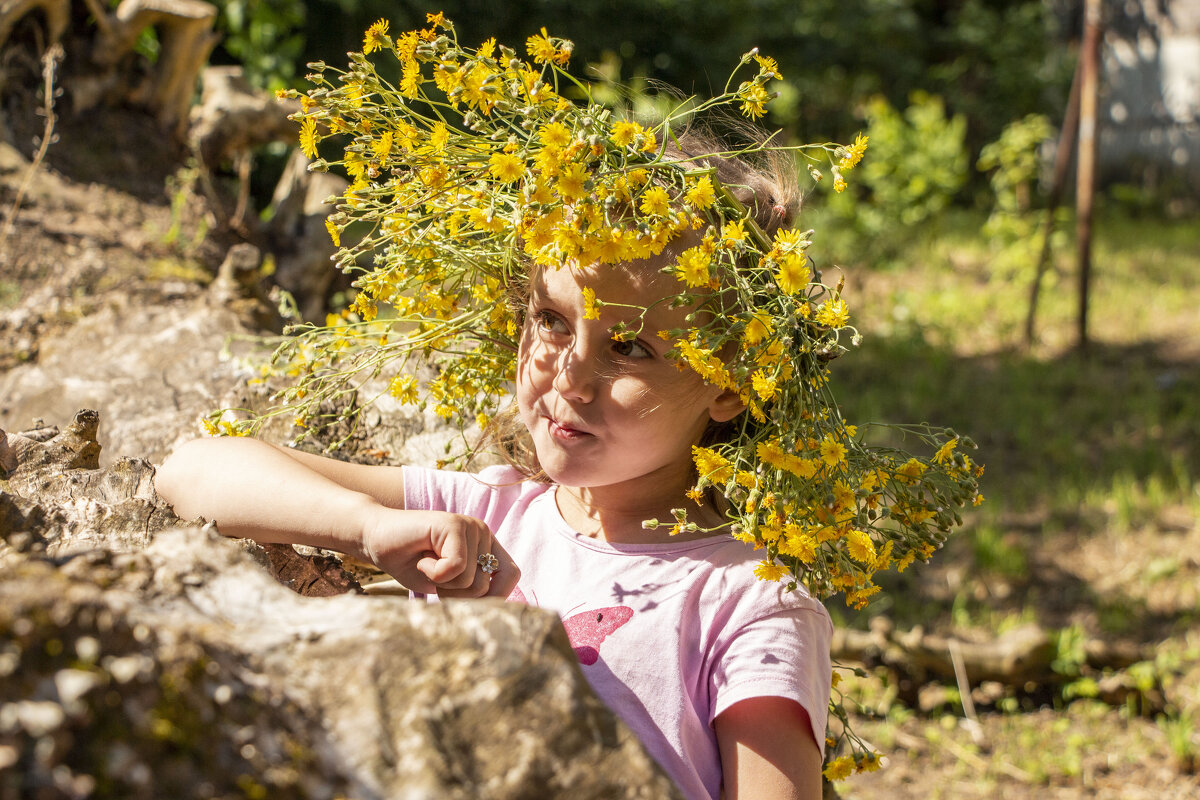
(780, 654)
(487, 495)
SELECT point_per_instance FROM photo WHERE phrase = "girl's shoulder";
(737, 580)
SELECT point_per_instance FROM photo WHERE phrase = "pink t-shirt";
(668, 635)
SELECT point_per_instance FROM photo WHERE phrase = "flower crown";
(478, 163)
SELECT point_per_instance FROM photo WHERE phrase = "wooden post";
(1062, 160)
(1085, 178)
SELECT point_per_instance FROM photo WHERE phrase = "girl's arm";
(768, 751)
(256, 490)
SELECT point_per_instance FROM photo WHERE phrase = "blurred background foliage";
(933, 81)
(987, 60)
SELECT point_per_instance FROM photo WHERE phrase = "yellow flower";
(506, 167)
(655, 201)
(910, 471)
(702, 194)
(572, 183)
(833, 313)
(839, 184)
(758, 328)
(406, 45)
(555, 135)
(410, 79)
(590, 311)
(793, 275)
(754, 100)
(854, 153)
(693, 266)
(334, 233)
(839, 769)
(945, 453)
(711, 465)
(768, 66)
(764, 386)
(439, 135)
(404, 389)
(308, 137)
(858, 599)
(733, 232)
(869, 763)
(543, 51)
(833, 452)
(376, 37)
(770, 571)
(383, 146)
(799, 545)
(860, 547)
(625, 132)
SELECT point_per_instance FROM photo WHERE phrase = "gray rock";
(143, 657)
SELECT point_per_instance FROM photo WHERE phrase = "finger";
(497, 584)
(477, 589)
(504, 580)
(458, 548)
(448, 564)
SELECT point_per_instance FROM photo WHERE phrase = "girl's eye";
(549, 323)
(631, 350)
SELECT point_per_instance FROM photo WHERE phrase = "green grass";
(1077, 445)
(10, 294)
(943, 344)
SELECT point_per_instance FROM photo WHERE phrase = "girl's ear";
(727, 405)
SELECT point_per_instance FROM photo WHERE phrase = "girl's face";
(604, 412)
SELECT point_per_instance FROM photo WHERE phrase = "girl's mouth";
(566, 432)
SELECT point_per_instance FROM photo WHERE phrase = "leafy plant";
(1180, 731)
(918, 164)
(265, 36)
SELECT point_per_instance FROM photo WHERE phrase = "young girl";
(724, 677)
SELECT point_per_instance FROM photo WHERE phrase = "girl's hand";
(436, 551)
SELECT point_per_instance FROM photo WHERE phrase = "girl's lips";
(561, 431)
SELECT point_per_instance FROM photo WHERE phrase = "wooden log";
(233, 118)
(187, 38)
(1015, 658)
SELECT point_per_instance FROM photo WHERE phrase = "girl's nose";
(575, 375)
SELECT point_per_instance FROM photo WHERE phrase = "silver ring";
(488, 563)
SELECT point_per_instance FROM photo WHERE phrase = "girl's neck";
(614, 516)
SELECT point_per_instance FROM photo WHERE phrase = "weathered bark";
(186, 36)
(232, 117)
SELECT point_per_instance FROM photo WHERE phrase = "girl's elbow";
(177, 473)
